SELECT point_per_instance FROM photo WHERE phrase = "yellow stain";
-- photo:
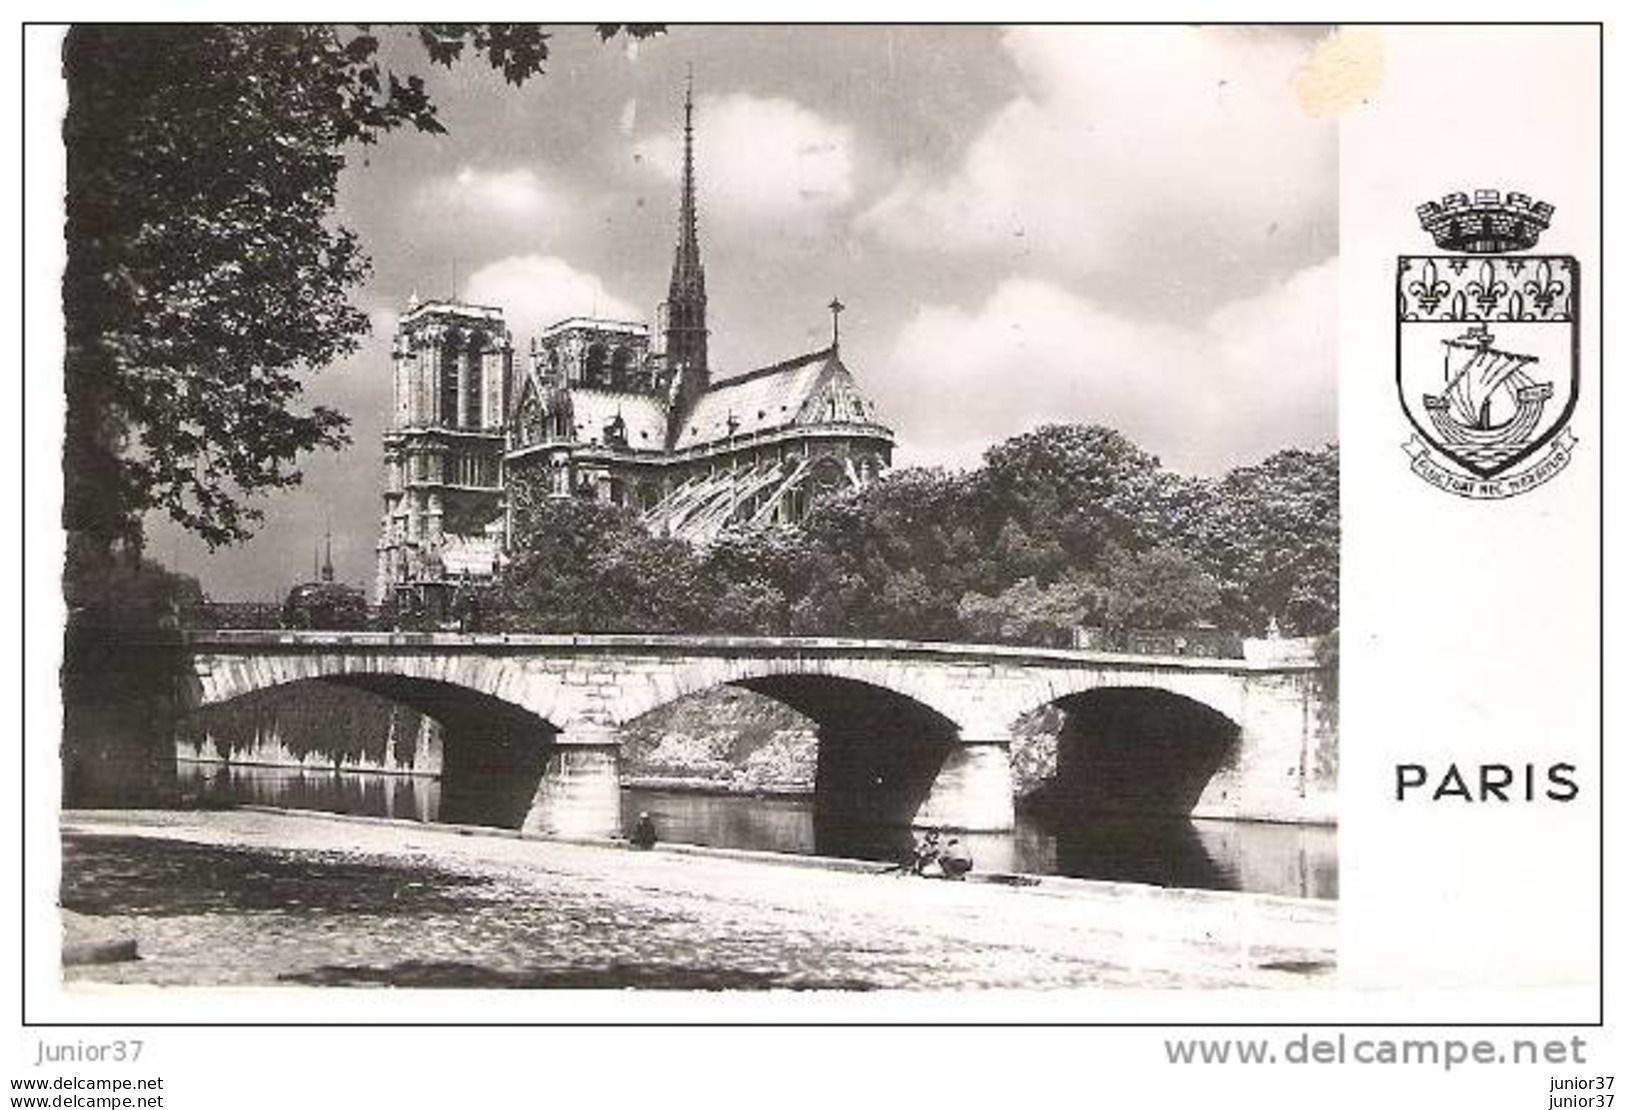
(1345, 72)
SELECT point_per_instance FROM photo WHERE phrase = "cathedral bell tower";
(686, 333)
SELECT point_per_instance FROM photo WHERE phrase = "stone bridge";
(908, 733)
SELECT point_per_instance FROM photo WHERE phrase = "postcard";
(1074, 525)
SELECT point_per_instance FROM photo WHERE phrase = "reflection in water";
(1296, 860)
(768, 824)
(365, 793)
(1161, 852)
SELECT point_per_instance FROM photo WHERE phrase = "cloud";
(760, 159)
(479, 193)
(536, 290)
(1254, 376)
(1126, 144)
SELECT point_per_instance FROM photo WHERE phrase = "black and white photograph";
(672, 523)
(752, 490)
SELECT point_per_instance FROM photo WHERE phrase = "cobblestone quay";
(215, 898)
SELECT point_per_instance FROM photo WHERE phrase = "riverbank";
(263, 898)
(1254, 857)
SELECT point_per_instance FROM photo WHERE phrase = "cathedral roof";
(423, 309)
(594, 323)
(645, 417)
(813, 389)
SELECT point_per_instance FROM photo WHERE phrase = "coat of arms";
(1489, 367)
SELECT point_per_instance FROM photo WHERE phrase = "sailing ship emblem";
(1490, 406)
(1488, 348)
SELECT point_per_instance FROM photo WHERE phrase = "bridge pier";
(973, 790)
(580, 789)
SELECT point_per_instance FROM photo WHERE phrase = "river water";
(1259, 857)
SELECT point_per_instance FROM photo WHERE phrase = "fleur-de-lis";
(1544, 288)
(1515, 309)
(1487, 290)
(1430, 289)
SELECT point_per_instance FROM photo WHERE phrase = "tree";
(131, 593)
(883, 558)
(203, 275)
(750, 607)
(1161, 587)
(1084, 487)
(587, 566)
(1027, 613)
(1067, 526)
(754, 573)
(1271, 537)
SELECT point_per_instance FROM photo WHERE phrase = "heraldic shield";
(1488, 360)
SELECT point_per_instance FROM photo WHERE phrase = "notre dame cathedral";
(605, 409)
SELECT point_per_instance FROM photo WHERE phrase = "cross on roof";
(835, 310)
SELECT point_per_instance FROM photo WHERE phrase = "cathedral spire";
(688, 243)
(685, 300)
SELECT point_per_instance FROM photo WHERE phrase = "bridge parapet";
(248, 640)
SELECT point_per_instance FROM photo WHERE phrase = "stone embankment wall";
(723, 739)
(317, 727)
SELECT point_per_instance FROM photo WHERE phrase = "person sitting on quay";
(926, 852)
(954, 861)
(643, 833)
(920, 855)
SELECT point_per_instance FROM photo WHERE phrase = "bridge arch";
(1218, 689)
(813, 681)
(447, 680)
(1120, 780)
(1142, 750)
(493, 754)
(880, 753)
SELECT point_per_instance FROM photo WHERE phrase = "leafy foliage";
(585, 566)
(122, 592)
(1027, 613)
(1160, 587)
(1271, 537)
(883, 561)
(1065, 526)
(1085, 487)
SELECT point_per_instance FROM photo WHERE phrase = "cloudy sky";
(1130, 226)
